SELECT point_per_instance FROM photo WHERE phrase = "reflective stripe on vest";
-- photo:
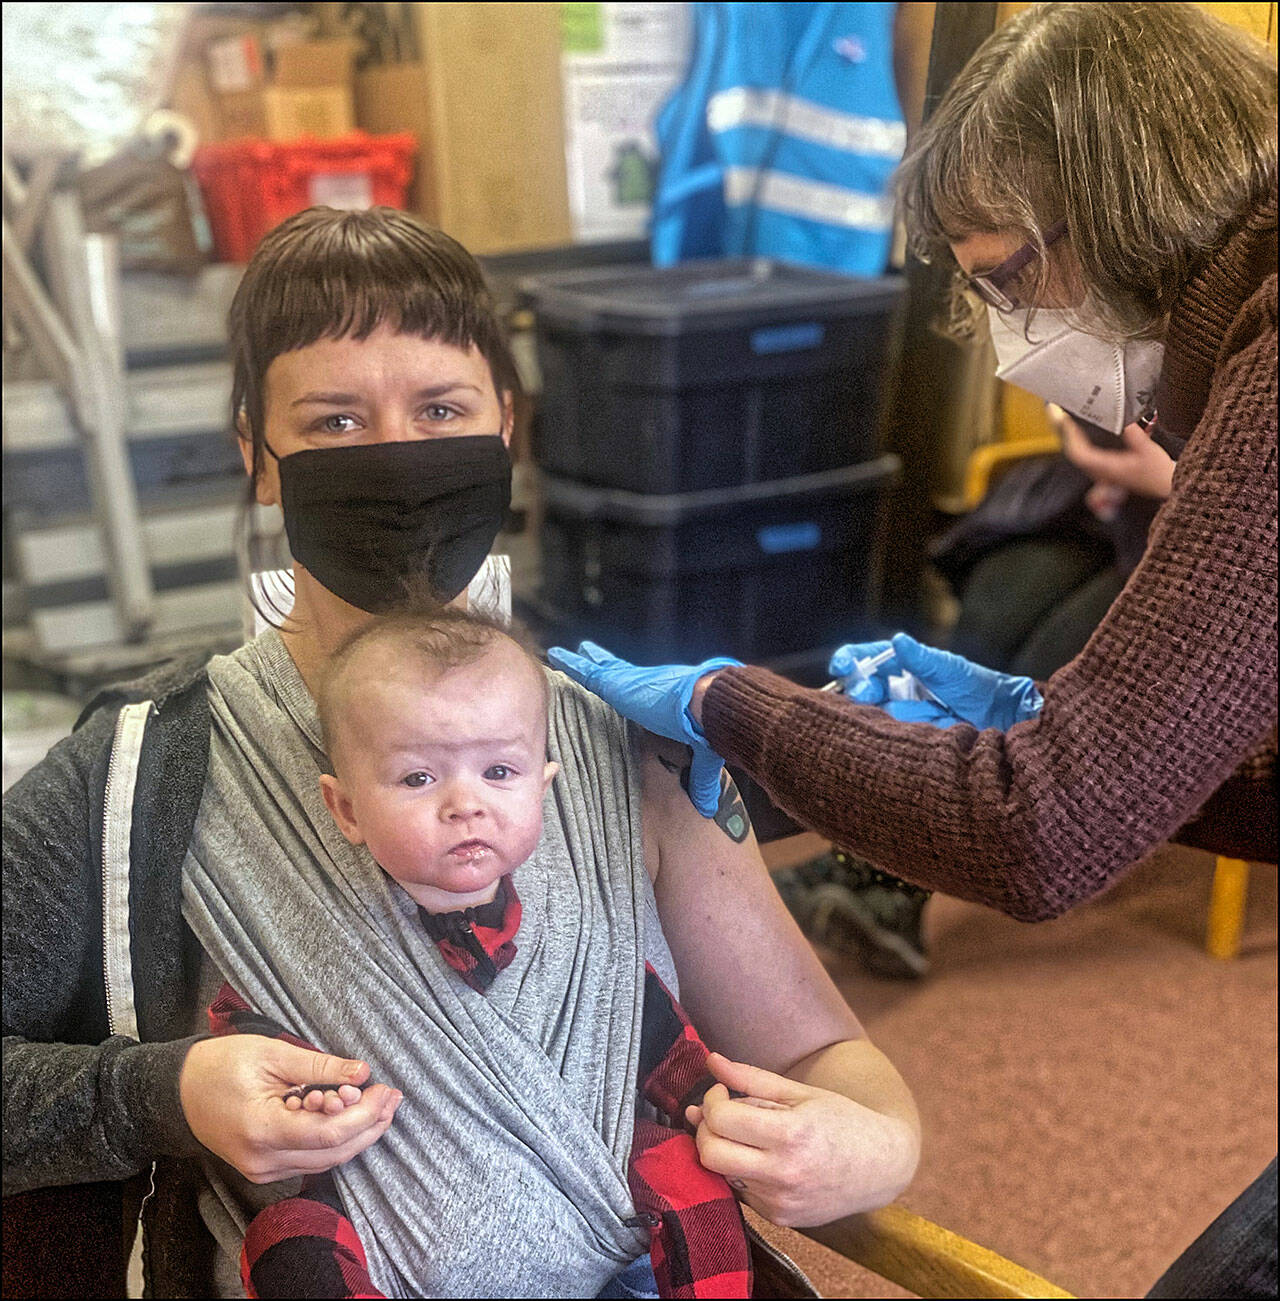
(815, 200)
(805, 120)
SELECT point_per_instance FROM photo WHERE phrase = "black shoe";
(848, 905)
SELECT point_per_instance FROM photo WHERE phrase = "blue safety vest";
(782, 138)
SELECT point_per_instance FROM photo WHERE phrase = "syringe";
(862, 670)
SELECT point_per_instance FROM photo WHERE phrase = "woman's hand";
(1140, 465)
(956, 690)
(665, 700)
(797, 1154)
(232, 1092)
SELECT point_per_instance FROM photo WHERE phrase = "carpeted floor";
(1094, 1090)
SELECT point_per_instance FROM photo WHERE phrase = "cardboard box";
(320, 111)
(394, 98)
(485, 104)
(235, 64)
(237, 77)
(240, 114)
(293, 27)
(309, 64)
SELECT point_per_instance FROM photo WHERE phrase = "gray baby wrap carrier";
(504, 1172)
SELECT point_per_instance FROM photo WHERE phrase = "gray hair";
(1149, 128)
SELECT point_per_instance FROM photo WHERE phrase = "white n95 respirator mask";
(1106, 384)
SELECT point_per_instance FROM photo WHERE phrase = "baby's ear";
(339, 802)
(548, 775)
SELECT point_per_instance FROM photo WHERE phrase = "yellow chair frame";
(1226, 907)
(926, 1259)
(985, 460)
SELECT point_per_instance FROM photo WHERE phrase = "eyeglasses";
(990, 286)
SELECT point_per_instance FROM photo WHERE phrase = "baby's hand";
(331, 1101)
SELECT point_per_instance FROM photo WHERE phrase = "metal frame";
(76, 336)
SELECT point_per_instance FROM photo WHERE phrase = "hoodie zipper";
(794, 1275)
(117, 834)
(117, 830)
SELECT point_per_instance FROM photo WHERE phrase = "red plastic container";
(250, 185)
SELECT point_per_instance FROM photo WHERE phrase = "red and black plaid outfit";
(305, 1246)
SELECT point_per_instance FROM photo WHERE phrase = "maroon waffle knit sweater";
(1165, 720)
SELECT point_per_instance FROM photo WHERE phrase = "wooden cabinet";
(484, 100)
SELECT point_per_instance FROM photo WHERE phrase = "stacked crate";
(707, 437)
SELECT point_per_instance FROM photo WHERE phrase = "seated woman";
(165, 840)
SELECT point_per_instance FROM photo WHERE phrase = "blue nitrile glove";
(973, 694)
(866, 689)
(657, 699)
(875, 687)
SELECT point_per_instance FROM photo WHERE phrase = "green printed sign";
(582, 28)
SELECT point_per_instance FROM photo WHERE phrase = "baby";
(437, 732)
(436, 728)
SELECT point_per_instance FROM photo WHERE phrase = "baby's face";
(442, 776)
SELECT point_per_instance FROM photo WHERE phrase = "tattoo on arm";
(731, 813)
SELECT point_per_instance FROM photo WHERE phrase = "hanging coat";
(782, 139)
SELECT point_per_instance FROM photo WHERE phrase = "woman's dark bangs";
(349, 299)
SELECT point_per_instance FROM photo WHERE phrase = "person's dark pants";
(1030, 606)
(1236, 1255)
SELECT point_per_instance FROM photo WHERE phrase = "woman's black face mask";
(372, 520)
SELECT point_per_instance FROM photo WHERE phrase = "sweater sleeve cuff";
(151, 1094)
(737, 711)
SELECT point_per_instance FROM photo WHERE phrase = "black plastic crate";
(760, 573)
(709, 374)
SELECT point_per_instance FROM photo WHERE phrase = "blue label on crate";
(787, 338)
(777, 539)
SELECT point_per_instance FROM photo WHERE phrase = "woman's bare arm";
(832, 1128)
(749, 979)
